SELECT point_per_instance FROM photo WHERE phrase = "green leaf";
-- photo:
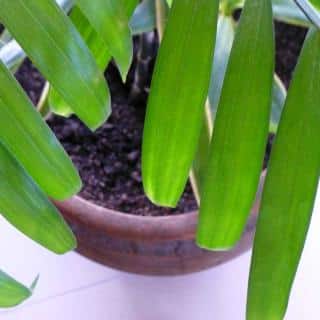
(111, 21)
(225, 37)
(26, 207)
(176, 102)
(315, 3)
(59, 52)
(289, 191)
(30, 140)
(98, 49)
(240, 131)
(130, 6)
(12, 292)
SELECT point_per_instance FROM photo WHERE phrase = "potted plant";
(225, 171)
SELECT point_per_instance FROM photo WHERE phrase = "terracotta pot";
(146, 245)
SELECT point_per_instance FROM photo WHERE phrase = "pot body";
(146, 245)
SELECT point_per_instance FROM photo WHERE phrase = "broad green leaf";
(111, 21)
(12, 292)
(130, 6)
(98, 49)
(278, 98)
(30, 140)
(144, 18)
(289, 191)
(177, 97)
(59, 52)
(240, 131)
(224, 40)
(225, 36)
(287, 11)
(315, 3)
(27, 208)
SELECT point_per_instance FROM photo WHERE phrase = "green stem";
(43, 105)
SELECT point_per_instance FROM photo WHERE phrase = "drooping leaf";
(111, 21)
(176, 102)
(27, 208)
(289, 191)
(56, 48)
(240, 131)
(12, 292)
(30, 140)
(98, 49)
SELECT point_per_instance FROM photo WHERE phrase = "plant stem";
(43, 105)
(194, 176)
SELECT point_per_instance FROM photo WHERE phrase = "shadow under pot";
(147, 245)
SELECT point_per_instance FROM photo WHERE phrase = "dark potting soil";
(109, 159)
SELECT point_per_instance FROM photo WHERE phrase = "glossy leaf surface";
(289, 192)
(27, 208)
(98, 49)
(110, 20)
(30, 140)
(12, 292)
(240, 131)
(176, 102)
(56, 48)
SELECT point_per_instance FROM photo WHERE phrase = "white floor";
(72, 287)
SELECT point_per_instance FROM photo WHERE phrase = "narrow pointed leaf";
(111, 21)
(98, 49)
(12, 292)
(26, 207)
(30, 140)
(240, 131)
(56, 48)
(288, 12)
(289, 191)
(177, 98)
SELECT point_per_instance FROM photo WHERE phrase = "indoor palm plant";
(225, 172)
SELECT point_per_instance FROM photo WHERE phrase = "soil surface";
(109, 159)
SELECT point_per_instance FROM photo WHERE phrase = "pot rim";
(129, 226)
